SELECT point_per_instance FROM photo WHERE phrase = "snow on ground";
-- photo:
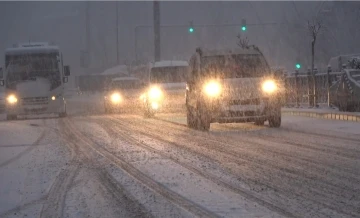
(30, 158)
(113, 165)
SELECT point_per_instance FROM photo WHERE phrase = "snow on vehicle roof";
(220, 52)
(120, 69)
(124, 79)
(170, 64)
(32, 48)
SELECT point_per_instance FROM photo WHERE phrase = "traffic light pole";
(199, 25)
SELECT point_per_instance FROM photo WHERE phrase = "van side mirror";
(66, 70)
(2, 83)
(65, 79)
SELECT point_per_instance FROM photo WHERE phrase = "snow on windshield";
(168, 74)
(28, 67)
(235, 66)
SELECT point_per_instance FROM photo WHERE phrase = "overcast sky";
(64, 24)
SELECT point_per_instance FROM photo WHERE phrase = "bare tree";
(314, 28)
(243, 42)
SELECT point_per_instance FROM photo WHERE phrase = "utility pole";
(117, 33)
(157, 47)
(86, 54)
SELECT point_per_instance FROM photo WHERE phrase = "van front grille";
(252, 101)
(35, 100)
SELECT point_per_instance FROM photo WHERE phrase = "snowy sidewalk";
(324, 113)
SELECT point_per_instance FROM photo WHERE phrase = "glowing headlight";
(115, 98)
(154, 105)
(269, 86)
(53, 98)
(155, 93)
(212, 89)
(12, 99)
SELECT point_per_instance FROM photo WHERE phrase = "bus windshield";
(235, 66)
(168, 74)
(27, 67)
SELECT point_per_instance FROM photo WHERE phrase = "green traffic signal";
(191, 30)
(298, 66)
(243, 28)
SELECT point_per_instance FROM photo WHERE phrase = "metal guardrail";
(325, 115)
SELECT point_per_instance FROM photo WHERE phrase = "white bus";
(34, 77)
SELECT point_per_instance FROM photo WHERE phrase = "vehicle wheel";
(11, 117)
(191, 119)
(275, 121)
(203, 119)
(259, 122)
(149, 114)
(63, 114)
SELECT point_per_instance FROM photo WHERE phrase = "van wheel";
(191, 120)
(259, 122)
(11, 117)
(275, 121)
(149, 114)
(63, 114)
(204, 120)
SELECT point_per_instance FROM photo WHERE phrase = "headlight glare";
(154, 105)
(53, 98)
(116, 98)
(155, 93)
(269, 86)
(12, 99)
(212, 89)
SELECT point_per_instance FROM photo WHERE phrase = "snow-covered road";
(127, 166)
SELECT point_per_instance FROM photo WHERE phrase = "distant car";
(121, 93)
(166, 90)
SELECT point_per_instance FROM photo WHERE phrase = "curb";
(325, 115)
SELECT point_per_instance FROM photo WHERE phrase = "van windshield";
(168, 74)
(125, 84)
(235, 66)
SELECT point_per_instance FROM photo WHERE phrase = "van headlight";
(212, 89)
(269, 86)
(155, 93)
(116, 98)
(154, 105)
(11, 99)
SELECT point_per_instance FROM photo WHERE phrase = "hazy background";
(64, 24)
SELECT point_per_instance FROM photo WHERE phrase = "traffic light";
(191, 27)
(297, 63)
(243, 25)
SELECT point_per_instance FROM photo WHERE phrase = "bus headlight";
(212, 89)
(11, 99)
(115, 98)
(269, 86)
(155, 93)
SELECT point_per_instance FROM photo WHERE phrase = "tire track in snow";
(284, 188)
(215, 179)
(27, 150)
(82, 157)
(55, 202)
(170, 195)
